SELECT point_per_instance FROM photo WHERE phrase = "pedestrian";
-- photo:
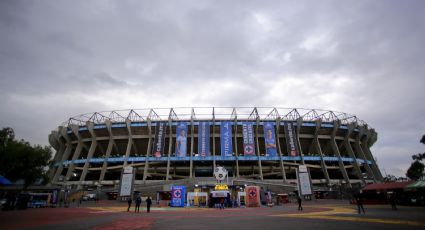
(359, 201)
(138, 202)
(299, 200)
(148, 204)
(129, 203)
(393, 201)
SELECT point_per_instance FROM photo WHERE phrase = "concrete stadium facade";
(92, 149)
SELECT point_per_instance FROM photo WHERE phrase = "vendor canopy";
(417, 185)
(387, 186)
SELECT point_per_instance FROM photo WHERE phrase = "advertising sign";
(304, 180)
(248, 139)
(226, 138)
(158, 146)
(204, 139)
(181, 139)
(126, 184)
(291, 139)
(269, 139)
(178, 194)
(252, 196)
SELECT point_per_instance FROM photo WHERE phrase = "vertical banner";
(248, 139)
(304, 180)
(158, 146)
(226, 138)
(181, 139)
(291, 139)
(269, 139)
(252, 196)
(204, 139)
(178, 194)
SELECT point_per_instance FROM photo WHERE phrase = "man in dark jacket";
(138, 202)
(148, 204)
(299, 200)
(129, 203)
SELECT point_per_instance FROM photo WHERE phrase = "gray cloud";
(62, 58)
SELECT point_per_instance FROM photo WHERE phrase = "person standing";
(148, 204)
(299, 200)
(138, 202)
(129, 203)
(359, 201)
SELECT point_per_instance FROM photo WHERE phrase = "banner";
(204, 139)
(304, 180)
(126, 184)
(252, 196)
(178, 194)
(226, 138)
(181, 139)
(291, 139)
(248, 139)
(158, 146)
(269, 139)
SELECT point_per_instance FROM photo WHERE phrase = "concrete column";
(68, 148)
(260, 168)
(192, 139)
(316, 143)
(235, 129)
(368, 154)
(148, 151)
(170, 146)
(92, 149)
(360, 152)
(299, 125)
(129, 143)
(279, 149)
(57, 144)
(336, 151)
(77, 152)
(351, 152)
(111, 144)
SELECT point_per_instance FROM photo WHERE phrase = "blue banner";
(248, 139)
(226, 138)
(181, 139)
(204, 139)
(158, 146)
(178, 196)
(269, 139)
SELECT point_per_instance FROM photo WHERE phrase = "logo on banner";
(178, 196)
(220, 173)
(248, 139)
(177, 193)
(253, 193)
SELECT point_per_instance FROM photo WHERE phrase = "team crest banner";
(226, 138)
(181, 139)
(252, 196)
(158, 146)
(269, 139)
(291, 139)
(204, 139)
(178, 194)
(248, 139)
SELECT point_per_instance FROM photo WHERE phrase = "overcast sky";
(63, 58)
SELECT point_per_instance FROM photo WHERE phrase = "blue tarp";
(4, 181)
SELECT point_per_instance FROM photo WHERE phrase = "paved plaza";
(321, 214)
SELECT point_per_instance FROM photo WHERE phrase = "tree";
(20, 160)
(415, 171)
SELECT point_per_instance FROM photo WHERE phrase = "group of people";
(137, 202)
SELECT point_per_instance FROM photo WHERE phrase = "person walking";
(138, 202)
(148, 204)
(359, 201)
(129, 203)
(299, 200)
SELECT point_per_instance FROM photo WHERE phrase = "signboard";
(226, 138)
(269, 139)
(178, 194)
(252, 196)
(248, 139)
(181, 139)
(219, 187)
(158, 146)
(304, 180)
(291, 139)
(204, 139)
(126, 184)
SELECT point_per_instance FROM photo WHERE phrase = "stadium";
(260, 145)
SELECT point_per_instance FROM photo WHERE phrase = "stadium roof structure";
(215, 113)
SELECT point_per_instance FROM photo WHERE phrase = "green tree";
(416, 169)
(20, 160)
